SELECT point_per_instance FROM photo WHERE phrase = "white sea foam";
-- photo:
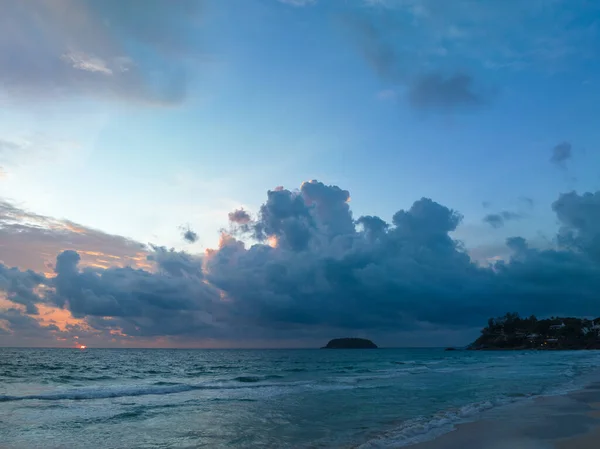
(418, 430)
(162, 389)
(135, 390)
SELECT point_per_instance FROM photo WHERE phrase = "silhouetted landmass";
(350, 343)
(513, 332)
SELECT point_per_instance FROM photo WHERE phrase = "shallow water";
(125, 398)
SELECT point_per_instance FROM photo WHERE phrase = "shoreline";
(565, 417)
(569, 420)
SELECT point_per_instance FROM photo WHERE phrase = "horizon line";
(217, 349)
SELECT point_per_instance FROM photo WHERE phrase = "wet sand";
(570, 421)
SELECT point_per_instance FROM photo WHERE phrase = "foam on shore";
(566, 421)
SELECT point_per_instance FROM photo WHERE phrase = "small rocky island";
(350, 343)
(513, 332)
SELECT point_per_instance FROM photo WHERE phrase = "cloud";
(373, 227)
(7, 147)
(286, 217)
(19, 287)
(316, 272)
(25, 327)
(438, 53)
(32, 241)
(425, 88)
(298, 2)
(239, 216)
(137, 302)
(561, 153)
(101, 49)
(579, 216)
(189, 236)
(498, 220)
(528, 202)
(439, 92)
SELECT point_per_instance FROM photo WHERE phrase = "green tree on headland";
(513, 332)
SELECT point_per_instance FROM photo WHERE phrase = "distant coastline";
(511, 332)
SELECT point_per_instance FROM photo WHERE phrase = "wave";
(158, 388)
(70, 378)
(418, 430)
(421, 429)
(254, 379)
(164, 388)
(248, 379)
(155, 371)
(102, 393)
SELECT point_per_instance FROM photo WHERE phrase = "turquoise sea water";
(125, 398)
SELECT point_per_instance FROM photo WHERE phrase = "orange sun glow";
(272, 241)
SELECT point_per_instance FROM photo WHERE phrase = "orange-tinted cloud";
(31, 242)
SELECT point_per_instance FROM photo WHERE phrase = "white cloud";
(298, 2)
(80, 60)
(92, 49)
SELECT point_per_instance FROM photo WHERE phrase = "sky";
(276, 173)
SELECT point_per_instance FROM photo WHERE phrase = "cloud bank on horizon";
(313, 271)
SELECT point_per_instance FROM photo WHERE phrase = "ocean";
(175, 398)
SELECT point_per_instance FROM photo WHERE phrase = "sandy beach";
(570, 421)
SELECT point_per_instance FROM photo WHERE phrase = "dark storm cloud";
(561, 153)
(404, 274)
(323, 276)
(498, 220)
(175, 263)
(142, 303)
(373, 227)
(26, 327)
(239, 216)
(84, 47)
(190, 236)
(285, 216)
(373, 282)
(19, 286)
(241, 222)
(331, 206)
(579, 216)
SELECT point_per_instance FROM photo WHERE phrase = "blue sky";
(278, 94)
(137, 119)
